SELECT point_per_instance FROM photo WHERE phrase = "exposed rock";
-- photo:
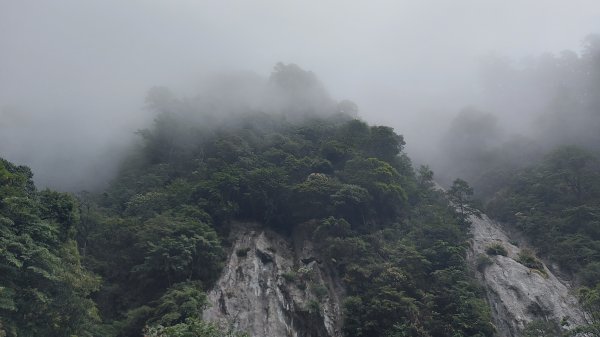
(263, 256)
(309, 260)
(272, 291)
(518, 294)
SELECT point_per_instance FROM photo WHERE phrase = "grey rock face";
(273, 287)
(518, 294)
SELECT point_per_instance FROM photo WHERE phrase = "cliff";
(275, 286)
(518, 294)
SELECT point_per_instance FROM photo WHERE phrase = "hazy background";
(73, 74)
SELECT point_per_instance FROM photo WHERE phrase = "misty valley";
(251, 205)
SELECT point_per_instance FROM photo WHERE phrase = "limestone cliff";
(274, 286)
(278, 286)
(518, 294)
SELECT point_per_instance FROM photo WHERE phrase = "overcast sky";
(82, 67)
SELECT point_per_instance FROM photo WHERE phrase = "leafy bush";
(539, 328)
(192, 328)
(496, 249)
(44, 288)
(483, 261)
(290, 276)
(305, 274)
(528, 259)
(320, 290)
(313, 307)
(556, 204)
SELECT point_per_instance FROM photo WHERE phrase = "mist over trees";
(529, 108)
(532, 156)
(154, 242)
(163, 126)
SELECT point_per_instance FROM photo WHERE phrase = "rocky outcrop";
(272, 286)
(518, 294)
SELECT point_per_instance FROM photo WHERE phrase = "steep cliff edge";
(278, 286)
(272, 286)
(518, 294)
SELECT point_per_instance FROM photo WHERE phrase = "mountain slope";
(518, 293)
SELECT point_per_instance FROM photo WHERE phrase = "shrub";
(539, 328)
(483, 261)
(193, 328)
(527, 259)
(289, 276)
(320, 291)
(313, 307)
(496, 249)
(305, 273)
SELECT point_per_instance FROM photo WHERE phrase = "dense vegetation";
(545, 182)
(155, 238)
(138, 258)
(44, 290)
(533, 107)
(556, 204)
(398, 246)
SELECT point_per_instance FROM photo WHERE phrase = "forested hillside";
(544, 183)
(44, 290)
(163, 172)
(155, 241)
(555, 203)
(139, 258)
(533, 107)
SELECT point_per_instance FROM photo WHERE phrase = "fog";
(74, 74)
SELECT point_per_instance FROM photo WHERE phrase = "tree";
(192, 327)
(590, 301)
(44, 289)
(177, 250)
(384, 143)
(352, 202)
(380, 179)
(460, 195)
(181, 302)
(314, 196)
(541, 329)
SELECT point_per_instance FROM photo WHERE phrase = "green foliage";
(179, 249)
(409, 279)
(313, 307)
(44, 290)
(496, 249)
(381, 181)
(590, 301)
(181, 302)
(556, 203)
(290, 276)
(528, 259)
(590, 274)
(319, 290)
(192, 328)
(155, 235)
(483, 261)
(460, 194)
(541, 329)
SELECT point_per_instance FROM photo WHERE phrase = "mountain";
(274, 218)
